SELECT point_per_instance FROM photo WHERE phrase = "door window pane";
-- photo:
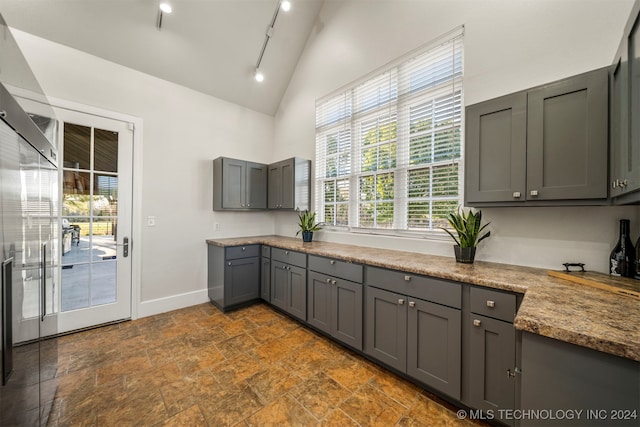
(77, 146)
(106, 150)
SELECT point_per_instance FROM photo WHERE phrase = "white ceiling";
(207, 45)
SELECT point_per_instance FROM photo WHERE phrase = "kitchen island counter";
(551, 307)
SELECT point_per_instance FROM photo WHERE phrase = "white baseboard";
(174, 302)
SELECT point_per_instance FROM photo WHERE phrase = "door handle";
(125, 247)
(43, 283)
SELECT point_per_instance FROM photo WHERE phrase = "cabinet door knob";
(491, 304)
(476, 322)
(248, 205)
(286, 252)
(533, 193)
(412, 303)
(332, 262)
(328, 280)
(229, 264)
(407, 278)
(401, 301)
(614, 184)
(624, 183)
(244, 249)
(333, 282)
(516, 194)
(511, 374)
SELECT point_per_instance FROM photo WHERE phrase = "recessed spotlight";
(285, 5)
(165, 7)
(259, 76)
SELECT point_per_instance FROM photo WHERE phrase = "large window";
(388, 148)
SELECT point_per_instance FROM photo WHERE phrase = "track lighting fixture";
(164, 7)
(285, 5)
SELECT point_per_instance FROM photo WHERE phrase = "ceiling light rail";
(285, 5)
(163, 7)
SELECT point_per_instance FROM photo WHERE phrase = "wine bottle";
(637, 276)
(622, 261)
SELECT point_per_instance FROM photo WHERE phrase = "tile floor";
(251, 367)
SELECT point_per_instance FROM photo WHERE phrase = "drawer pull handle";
(476, 322)
(534, 193)
(401, 301)
(491, 304)
(412, 303)
(244, 249)
(511, 374)
(332, 262)
(286, 252)
(407, 278)
(516, 194)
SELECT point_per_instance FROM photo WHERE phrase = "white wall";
(183, 132)
(509, 45)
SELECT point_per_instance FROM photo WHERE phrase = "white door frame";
(135, 245)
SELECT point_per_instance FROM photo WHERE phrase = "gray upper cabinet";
(546, 145)
(567, 129)
(239, 185)
(290, 184)
(625, 115)
(496, 135)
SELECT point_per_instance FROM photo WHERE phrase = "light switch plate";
(151, 221)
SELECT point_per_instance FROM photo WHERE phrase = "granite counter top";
(551, 307)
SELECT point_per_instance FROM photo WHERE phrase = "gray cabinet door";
(287, 186)
(434, 345)
(279, 284)
(242, 282)
(567, 145)
(233, 183)
(319, 301)
(346, 320)
(619, 126)
(386, 327)
(256, 191)
(633, 165)
(496, 150)
(275, 186)
(297, 292)
(492, 355)
(265, 279)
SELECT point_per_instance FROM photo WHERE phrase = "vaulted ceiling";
(207, 45)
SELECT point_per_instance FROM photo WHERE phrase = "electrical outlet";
(151, 221)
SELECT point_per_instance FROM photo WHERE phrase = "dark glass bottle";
(637, 276)
(622, 261)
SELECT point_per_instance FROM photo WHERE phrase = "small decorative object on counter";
(307, 225)
(469, 229)
(622, 261)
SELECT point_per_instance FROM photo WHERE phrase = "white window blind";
(388, 147)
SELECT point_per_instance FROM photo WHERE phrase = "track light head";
(285, 5)
(258, 75)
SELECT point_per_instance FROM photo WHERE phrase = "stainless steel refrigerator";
(29, 240)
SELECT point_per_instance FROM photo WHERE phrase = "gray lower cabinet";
(239, 185)
(598, 389)
(625, 115)
(491, 354)
(490, 379)
(386, 327)
(289, 288)
(420, 338)
(233, 275)
(265, 274)
(546, 144)
(335, 307)
(289, 184)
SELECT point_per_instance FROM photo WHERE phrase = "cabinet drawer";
(428, 288)
(289, 257)
(333, 267)
(234, 252)
(266, 251)
(496, 304)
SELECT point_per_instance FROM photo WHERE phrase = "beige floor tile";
(282, 412)
(320, 395)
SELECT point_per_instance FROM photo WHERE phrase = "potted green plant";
(469, 233)
(307, 225)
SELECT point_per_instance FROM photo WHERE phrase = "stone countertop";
(551, 307)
